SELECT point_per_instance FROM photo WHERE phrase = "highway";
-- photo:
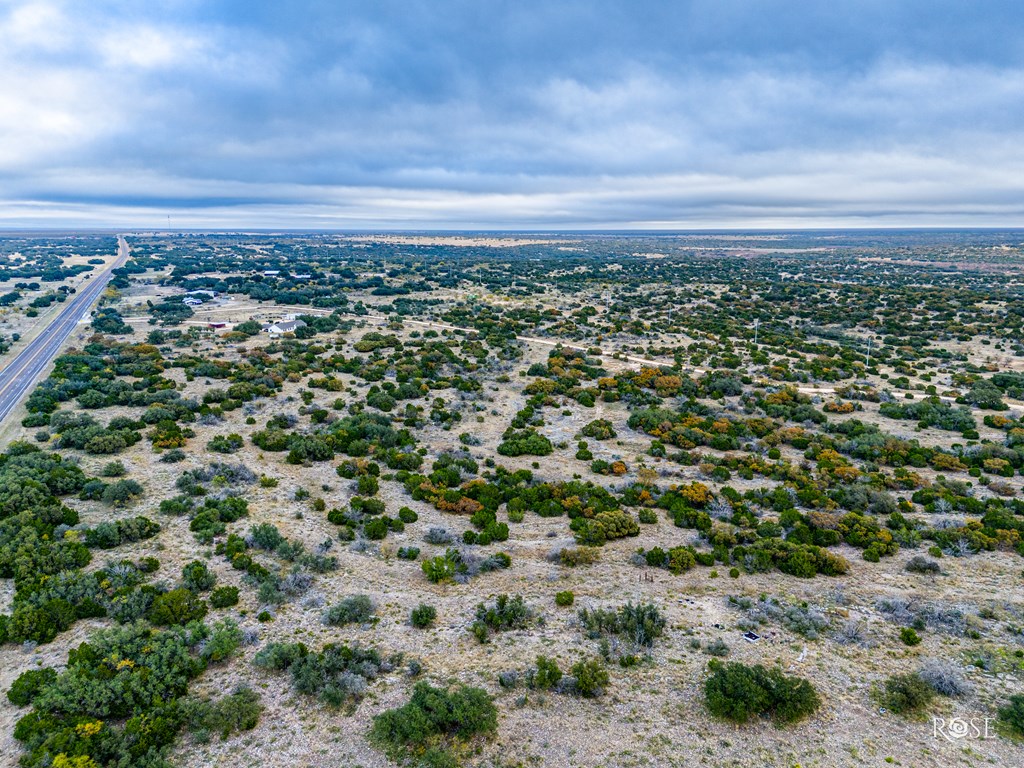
(19, 376)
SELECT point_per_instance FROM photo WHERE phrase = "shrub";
(738, 692)
(907, 693)
(440, 569)
(599, 429)
(337, 674)
(179, 606)
(546, 675)
(573, 556)
(1011, 716)
(921, 564)
(376, 529)
(944, 678)
(131, 702)
(506, 613)
(591, 678)
(408, 553)
(122, 492)
(225, 443)
(196, 577)
(356, 609)
(223, 641)
(909, 636)
(647, 516)
(717, 647)
(639, 624)
(224, 597)
(433, 721)
(423, 616)
(564, 599)
(113, 469)
(437, 536)
(28, 684)
(236, 712)
(367, 485)
(407, 515)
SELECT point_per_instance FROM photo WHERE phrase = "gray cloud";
(561, 114)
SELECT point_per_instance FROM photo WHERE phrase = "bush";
(224, 597)
(407, 515)
(437, 536)
(113, 469)
(28, 684)
(909, 636)
(367, 485)
(907, 693)
(738, 692)
(440, 569)
(1011, 716)
(225, 443)
(423, 616)
(591, 678)
(564, 599)
(408, 553)
(237, 712)
(639, 624)
(122, 492)
(179, 606)
(921, 564)
(506, 613)
(356, 609)
(132, 702)
(433, 721)
(943, 678)
(573, 556)
(222, 642)
(196, 577)
(546, 675)
(647, 516)
(717, 647)
(337, 674)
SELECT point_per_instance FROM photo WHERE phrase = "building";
(283, 326)
(191, 301)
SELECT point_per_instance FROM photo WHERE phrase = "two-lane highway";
(21, 374)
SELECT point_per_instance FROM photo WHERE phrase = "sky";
(511, 114)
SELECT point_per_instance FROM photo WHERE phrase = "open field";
(807, 458)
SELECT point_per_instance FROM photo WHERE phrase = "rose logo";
(957, 728)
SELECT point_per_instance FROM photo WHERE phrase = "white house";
(191, 301)
(283, 326)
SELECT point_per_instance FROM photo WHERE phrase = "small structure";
(271, 272)
(750, 637)
(217, 325)
(191, 301)
(283, 326)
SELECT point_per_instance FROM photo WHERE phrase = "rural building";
(283, 326)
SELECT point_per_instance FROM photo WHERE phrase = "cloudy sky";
(511, 114)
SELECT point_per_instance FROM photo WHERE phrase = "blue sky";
(507, 114)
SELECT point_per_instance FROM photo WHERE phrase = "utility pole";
(757, 323)
(867, 355)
